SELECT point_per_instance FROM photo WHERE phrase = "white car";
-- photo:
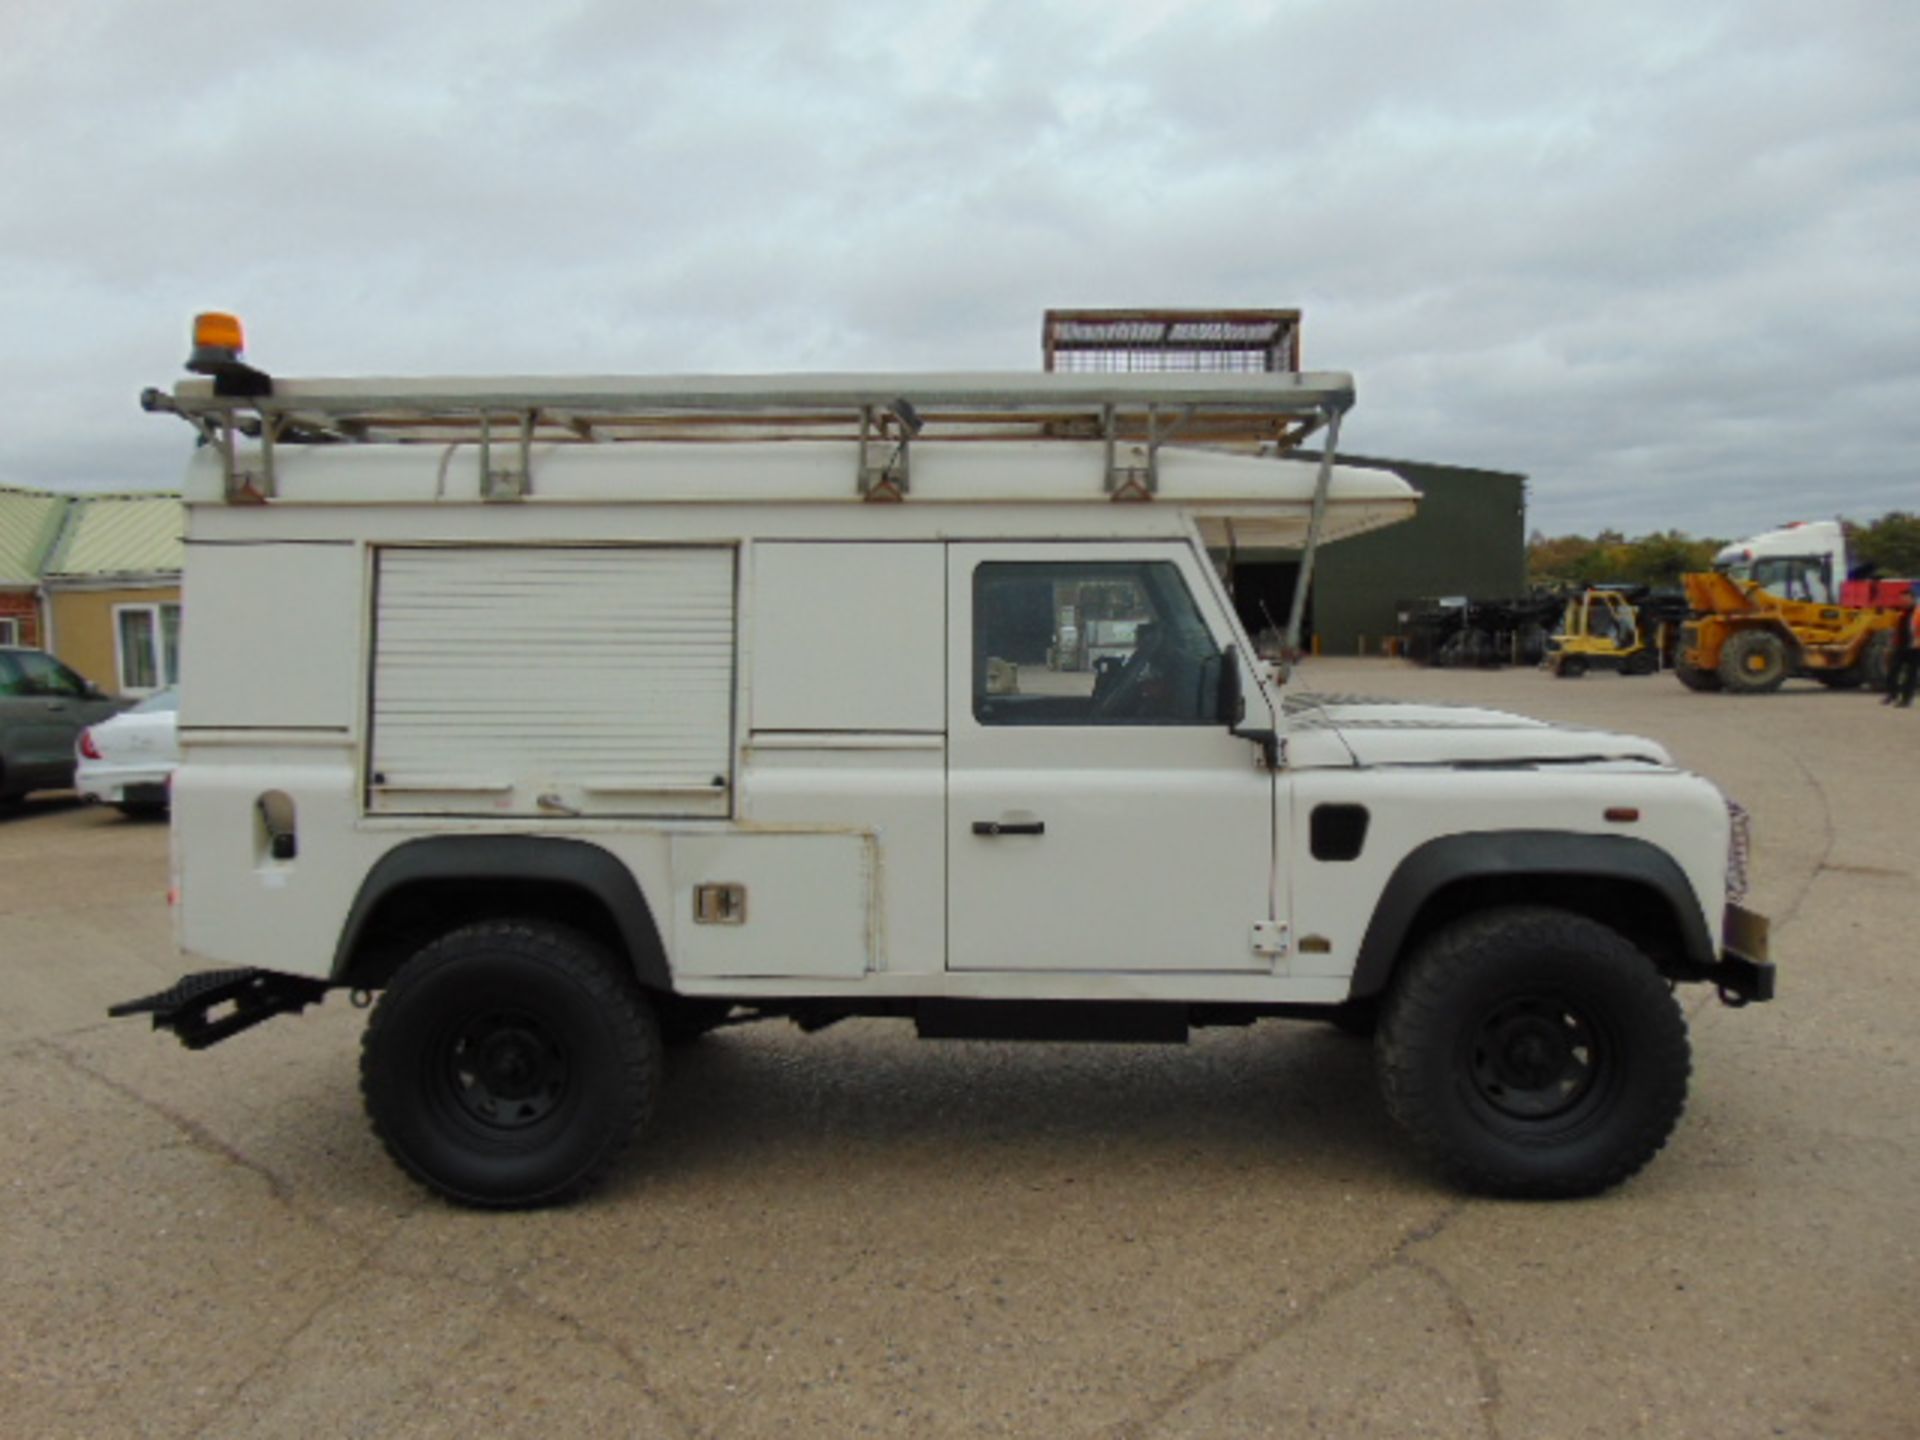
(128, 761)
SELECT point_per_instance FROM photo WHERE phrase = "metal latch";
(720, 904)
(1269, 937)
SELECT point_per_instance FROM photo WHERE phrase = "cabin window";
(1090, 643)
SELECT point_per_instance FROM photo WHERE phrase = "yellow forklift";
(1610, 627)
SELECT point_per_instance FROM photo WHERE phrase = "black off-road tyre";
(1753, 662)
(1358, 1018)
(1571, 667)
(1533, 1053)
(684, 1019)
(1876, 660)
(1640, 662)
(509, 1064)
(1695, 678)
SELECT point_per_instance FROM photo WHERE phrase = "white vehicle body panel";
(286, 597)
(834, 610)
(1410, 806)
(812, 891)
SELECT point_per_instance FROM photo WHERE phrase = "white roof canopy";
(1212, 443)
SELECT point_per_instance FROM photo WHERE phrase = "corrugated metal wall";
(1469, 537)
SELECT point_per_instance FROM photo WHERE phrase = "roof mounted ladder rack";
(884, 416)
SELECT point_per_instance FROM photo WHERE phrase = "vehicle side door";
(1101, 816)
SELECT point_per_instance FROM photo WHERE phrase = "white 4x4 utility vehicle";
(575, 717)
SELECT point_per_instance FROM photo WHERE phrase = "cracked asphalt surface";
(858, 1233)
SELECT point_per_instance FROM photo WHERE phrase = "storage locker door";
(553, 681)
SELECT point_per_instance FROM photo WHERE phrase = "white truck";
(1806, 560)
(574, 717)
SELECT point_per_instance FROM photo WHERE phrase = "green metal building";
(1468, 537)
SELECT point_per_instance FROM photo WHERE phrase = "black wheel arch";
(1625, 883)
(423, 888)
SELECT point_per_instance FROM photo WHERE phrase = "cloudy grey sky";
(1659, 256)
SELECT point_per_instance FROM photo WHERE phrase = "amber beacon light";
(217, 340)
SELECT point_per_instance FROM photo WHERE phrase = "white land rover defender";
(575, 717)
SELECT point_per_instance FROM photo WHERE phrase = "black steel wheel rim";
(502, 1071)
(1537, 1058)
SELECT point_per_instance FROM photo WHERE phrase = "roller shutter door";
(553, 681)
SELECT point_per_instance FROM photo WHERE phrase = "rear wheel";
(1640, 662)
(1696, 679)
(1358, 1018)
(509, 1064)
(1571, 667)
(1532, 1052)
(1753, 662)
(1876, 660)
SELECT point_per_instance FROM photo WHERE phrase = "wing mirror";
(1233, 709)
(1231, 702)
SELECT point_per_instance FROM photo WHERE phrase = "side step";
(255, 995)
(1110, 1020)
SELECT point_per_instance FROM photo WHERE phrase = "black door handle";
(1008, 827)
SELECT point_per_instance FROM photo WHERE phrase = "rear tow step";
(254, 995)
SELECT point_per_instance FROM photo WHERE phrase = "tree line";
(1891, 545)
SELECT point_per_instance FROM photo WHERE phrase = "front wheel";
(1533, 1053)
(509, 1064)
(1753, 662)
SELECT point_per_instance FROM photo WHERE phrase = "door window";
(1091, 643)
(148, 639)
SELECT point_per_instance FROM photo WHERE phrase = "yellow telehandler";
(1743, 638)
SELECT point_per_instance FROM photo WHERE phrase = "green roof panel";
(29, 522)
(121, 535)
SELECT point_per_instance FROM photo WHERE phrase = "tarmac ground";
(858, 1233)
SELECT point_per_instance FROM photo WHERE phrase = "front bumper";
(1744, 972)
